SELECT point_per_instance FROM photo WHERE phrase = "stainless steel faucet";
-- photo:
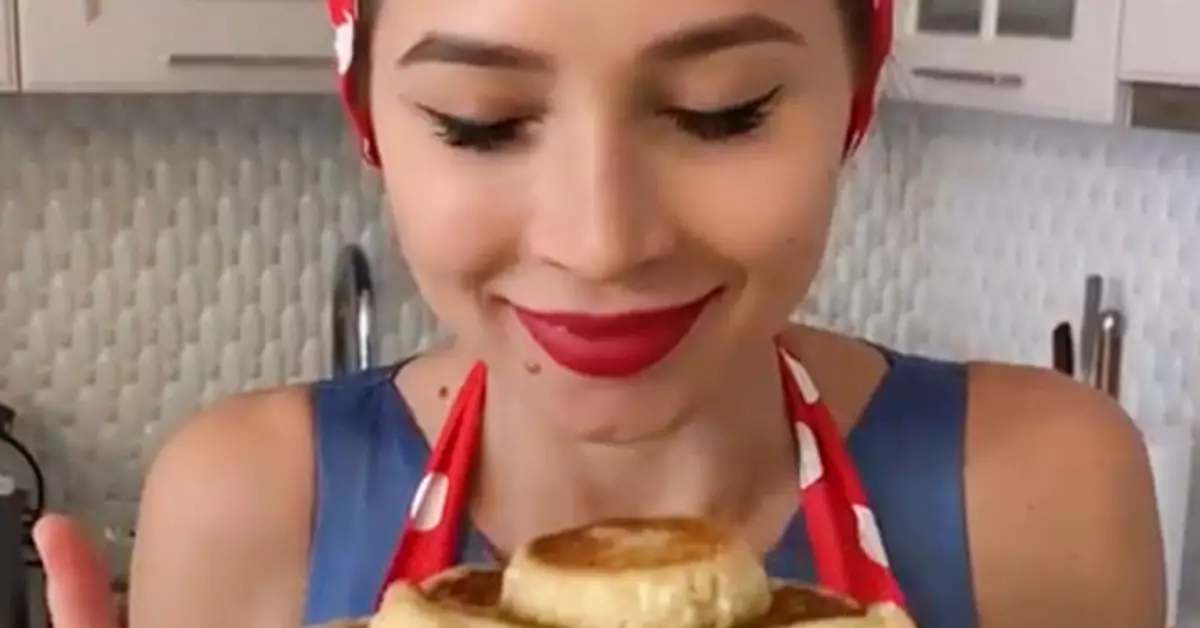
(353, 313)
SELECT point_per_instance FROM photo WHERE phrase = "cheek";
(763, 208)
(754, 213)
(457, 219)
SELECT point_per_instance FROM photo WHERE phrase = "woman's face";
(603, 158)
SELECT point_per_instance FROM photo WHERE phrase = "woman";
(616, 206)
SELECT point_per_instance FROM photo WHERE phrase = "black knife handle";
(1064, 349)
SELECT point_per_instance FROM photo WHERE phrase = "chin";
(644, 407)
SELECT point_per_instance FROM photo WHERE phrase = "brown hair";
(856, 20)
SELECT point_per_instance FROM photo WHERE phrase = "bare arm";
(223, 530)
(1061, 509)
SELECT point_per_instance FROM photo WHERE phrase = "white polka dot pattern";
(808, 388)
(838, 488)
(869, 536)
(343, 43)
(429, 502)
(811, 468)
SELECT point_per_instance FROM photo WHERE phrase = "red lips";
(612, 345)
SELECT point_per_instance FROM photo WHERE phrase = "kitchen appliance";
(18, 464)
(14, 547)
(22, 501)
(353, 313)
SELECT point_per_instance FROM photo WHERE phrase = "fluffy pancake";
(469, 598)
(464, 597)
(662, 573)
(659, 573)
(799, 605)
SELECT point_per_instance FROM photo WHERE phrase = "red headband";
(344, 15)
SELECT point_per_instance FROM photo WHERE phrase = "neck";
(729, 460)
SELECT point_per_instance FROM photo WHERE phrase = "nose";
(598, 214)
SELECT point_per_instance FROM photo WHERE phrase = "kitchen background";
(159, 252)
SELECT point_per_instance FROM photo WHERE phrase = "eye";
(726, 123)
(484, 136)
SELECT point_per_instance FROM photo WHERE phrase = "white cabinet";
(8, 46)
(1053, 58)
(174, 46)
(1160, 42)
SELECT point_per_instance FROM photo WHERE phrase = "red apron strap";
(429, 542)
(847, 546)
(821, 518)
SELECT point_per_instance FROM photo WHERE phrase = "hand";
(77, 590)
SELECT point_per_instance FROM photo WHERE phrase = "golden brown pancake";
(466, 586)
(637, 573)
(665, 573)
(793, 605)
(801, 605)
(474, 591)
(454, 606)
(624, 544)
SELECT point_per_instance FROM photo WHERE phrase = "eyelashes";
(479, 135)
(725, 123)
(716, 125)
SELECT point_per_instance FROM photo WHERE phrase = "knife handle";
(1111, 330)
(1089, 329)
(1063, 352)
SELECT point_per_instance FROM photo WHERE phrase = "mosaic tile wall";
(159, 252)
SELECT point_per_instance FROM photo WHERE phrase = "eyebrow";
(714, 36)
(444, 48)
(688, 42)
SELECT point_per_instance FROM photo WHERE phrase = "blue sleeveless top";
(908, 445)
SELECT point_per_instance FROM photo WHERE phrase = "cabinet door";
(8, 47)
(1160, 42)
(1055, 58)
(175, 45)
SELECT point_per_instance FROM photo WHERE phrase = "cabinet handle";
(193, 60)
(986, 79)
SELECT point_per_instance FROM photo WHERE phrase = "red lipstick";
(612, 345)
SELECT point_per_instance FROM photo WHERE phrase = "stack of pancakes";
(656, 573)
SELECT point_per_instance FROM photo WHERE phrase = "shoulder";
(263, 435)
(1033, 407)
(1061, 512)
(225, 511)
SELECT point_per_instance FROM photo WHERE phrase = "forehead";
(589, 30)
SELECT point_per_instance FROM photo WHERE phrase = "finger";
(76, 579)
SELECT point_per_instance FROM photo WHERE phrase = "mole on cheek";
(533, 368)
(443, 392)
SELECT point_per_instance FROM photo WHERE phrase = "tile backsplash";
(159, 252)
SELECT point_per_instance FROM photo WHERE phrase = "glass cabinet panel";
(1053, 19)
(960, 17)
